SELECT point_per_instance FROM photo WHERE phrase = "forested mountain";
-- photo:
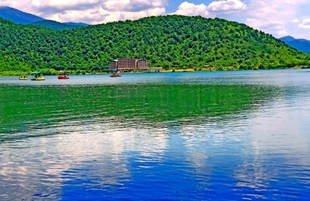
(18, 16)
(57, 25)
(166, 41)
(302, 45)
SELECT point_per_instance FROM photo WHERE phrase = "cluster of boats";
(116, 74)
(38, 76)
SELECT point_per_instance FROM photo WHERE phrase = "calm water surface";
(163, 136)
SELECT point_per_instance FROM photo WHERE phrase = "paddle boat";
(23, 76)
(116, 74)
(37, 76)
(63, 75)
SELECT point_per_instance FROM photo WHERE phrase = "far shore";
(194, 69)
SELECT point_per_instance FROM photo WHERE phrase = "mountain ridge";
(17, 16)
(24, 18)
(302, 45)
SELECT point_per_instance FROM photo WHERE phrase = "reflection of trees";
(169, 102)
(139, 103)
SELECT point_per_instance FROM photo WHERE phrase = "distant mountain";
(76, 24)
(302, 45)
(18, 16)
(57, 25)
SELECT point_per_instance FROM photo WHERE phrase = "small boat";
(37, 76)
(22, 76)
(63, 76)
(116, 74)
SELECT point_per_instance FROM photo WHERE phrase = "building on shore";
(129, 65)
(113, 65)
(142, 65)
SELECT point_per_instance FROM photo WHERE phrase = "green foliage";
(49, 71)
(166, 41)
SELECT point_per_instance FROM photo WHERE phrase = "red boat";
(63, 76)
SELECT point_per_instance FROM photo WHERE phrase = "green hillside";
(166, 41)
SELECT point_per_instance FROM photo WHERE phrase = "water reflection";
(94, 156)
(148, 104)
(54, 160)
(247, 138)
(277, 149)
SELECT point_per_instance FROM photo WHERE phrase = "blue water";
(257, 154)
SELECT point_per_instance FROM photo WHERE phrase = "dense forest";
(171, 42)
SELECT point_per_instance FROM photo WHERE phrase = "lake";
(242, 135)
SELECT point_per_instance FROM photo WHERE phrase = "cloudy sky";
(277, 17)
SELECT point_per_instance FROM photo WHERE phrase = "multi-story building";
(128, 64)
(113, 65)
(142, 65)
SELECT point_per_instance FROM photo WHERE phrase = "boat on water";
(116, 74)
(23, 76)
(37, 76)
(63, 76)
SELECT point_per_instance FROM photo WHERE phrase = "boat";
(37, 76)
(23, 76)
(116, 74)
(63, 75)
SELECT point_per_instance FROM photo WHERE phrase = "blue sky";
(276, 17)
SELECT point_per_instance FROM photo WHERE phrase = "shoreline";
(210, 69)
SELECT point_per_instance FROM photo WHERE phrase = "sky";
(276, 17)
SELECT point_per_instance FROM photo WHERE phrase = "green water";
(30, 107)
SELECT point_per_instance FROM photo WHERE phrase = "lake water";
(160, 136)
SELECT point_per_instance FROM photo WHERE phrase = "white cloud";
(132, 5)
(20, 5)
(191, 9)
(278, 29)
(99, 15)
(227, 6)
(102, 11)
(267, 10)
(295, 20)
(273, 16)
(63, 4)
(305, 24)
(216, 8)
(90, 11)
